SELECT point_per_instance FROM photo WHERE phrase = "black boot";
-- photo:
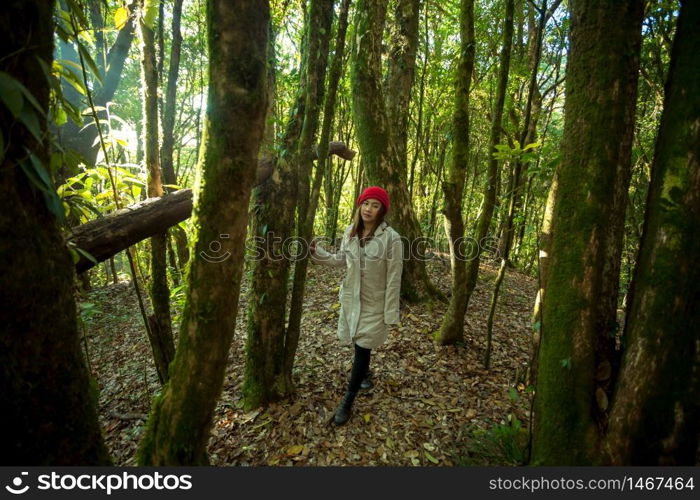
(342, 414)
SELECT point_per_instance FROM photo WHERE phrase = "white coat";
(369, 294)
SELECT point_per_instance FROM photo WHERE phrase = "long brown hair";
(359, 225)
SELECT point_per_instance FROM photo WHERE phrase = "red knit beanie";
(378, 194)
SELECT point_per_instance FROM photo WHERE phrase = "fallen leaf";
(295, 450)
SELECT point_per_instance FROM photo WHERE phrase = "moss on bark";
(655, 417)
(160, 330)
(379, 157)
(48, 416)
(179, 424)
(271, 343)
(600, 98)
(452, 328)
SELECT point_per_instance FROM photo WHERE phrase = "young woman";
(369, 295)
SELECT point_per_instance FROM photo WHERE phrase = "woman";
(369, 294)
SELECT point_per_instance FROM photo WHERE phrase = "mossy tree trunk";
(465, 274)
(452, 328)
(308, 200)
(545, 249)
(160, 331)
(379, 157)
(269, 349)
(325, 162)
(178, 427)
(655, 416)
(49, 402)
(401, 75)
(601, 83)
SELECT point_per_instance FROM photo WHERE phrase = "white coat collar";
(382, 227)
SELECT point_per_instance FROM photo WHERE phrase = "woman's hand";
(312, 246)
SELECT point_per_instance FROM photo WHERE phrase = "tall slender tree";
(166, 152)
(167, 149)
(601, 83)
(315, 90)
(178, 427)
(495, 137)
(335, 72)
(401, 75)
(270, 341)
(452, 326)
(160, 331)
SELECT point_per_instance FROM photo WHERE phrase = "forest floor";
(430, 405)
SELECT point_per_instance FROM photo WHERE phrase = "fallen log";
(109, 235)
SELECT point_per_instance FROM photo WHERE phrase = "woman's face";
(370, 209)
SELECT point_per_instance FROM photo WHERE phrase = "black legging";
(360, 367)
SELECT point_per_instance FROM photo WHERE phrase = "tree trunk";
(268, 368)
(401, 71)
(161, 334)
(178, 428)
(305, 221)
(570, 404)
(452, 327)
(98, 25)
(528, 134)
(519, 242)
(508, 41)
(166, 152)
(452, 332)
(49, 402)
(545, 250)
(655, 416)
(374, 136)
(421, 100)
(171, 99)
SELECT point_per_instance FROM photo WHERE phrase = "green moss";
(94, 392)
(147, 447)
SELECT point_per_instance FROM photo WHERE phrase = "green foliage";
(502, 444)
(178, 295)
(89, 194)
(516, 153)
(88, 311)
(150, 9)
(40, 179)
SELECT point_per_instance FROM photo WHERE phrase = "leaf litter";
(425, 404)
